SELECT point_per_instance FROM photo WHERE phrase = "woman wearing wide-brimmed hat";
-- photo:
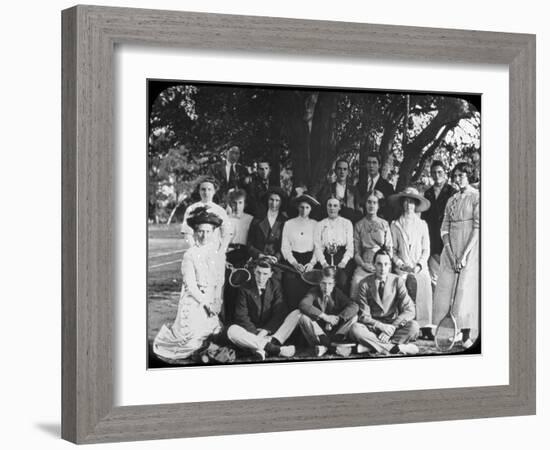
(411, 249)
(207, 187)
(200, 300)
(297, 247)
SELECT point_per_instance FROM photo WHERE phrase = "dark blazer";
(395, 307)
(256, 201)
(264, 239)
(339, 304)
(384, 186)
(434, 215)
(252, 312)
(351, 208)
(218, 172)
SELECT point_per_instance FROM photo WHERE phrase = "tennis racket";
(447, 330)
(311, 277)
(238, 275)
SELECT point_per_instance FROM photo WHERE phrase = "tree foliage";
(301, 132)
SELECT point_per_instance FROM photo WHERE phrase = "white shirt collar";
(374, 179)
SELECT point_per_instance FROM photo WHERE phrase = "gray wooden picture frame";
(90, 34)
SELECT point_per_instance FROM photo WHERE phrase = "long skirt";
(192, 326)
(419, 287)
(467, 306)
(343, 276)
(294, 288)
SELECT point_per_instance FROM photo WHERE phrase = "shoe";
(408, 349)
(362, 348)
(287, 351)
(320, 350)
(343, 349)
(272, 349)
(259, 355)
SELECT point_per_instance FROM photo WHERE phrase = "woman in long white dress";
(200, 300)
(411, 250)
(460, 235)
(207, 188)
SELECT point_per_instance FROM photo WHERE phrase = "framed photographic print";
(292, 205)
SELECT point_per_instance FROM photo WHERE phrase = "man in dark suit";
(386, 312)
(376, 182)
(229, 173)
(327, 314)
(438, 195)
(262, 323)
(266, 232)
(344, 190)
(257, 189)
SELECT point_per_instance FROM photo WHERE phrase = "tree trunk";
(385, 149)
(415, 149)
(367, 146)
(297, 133)
(322, 145)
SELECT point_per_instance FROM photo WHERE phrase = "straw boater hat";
(307, 199)
(422, 203)
(202, 214)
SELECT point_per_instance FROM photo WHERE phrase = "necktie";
(325, 302)
(232, 174)
(370, 186)
(381, 289)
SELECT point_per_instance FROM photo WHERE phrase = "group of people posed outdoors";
(387, 263)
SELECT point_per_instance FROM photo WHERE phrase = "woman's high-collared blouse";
(298, 237)
(339, 231)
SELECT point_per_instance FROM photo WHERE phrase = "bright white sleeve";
(348, 230)
(286, 250)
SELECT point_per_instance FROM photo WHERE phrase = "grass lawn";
(163, 289)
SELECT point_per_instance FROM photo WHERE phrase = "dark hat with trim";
(307, 199)
(201, 215)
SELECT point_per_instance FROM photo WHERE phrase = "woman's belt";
(302, 258)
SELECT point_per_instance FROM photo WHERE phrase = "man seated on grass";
(385, 324)
(327, 313)
(261, 323)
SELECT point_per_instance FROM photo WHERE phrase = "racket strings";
(445, 334)
(239, 277)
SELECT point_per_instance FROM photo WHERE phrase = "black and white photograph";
(299, 223)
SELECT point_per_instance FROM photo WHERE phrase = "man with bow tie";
(262, 323)
(386, 322)
(327, 313)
